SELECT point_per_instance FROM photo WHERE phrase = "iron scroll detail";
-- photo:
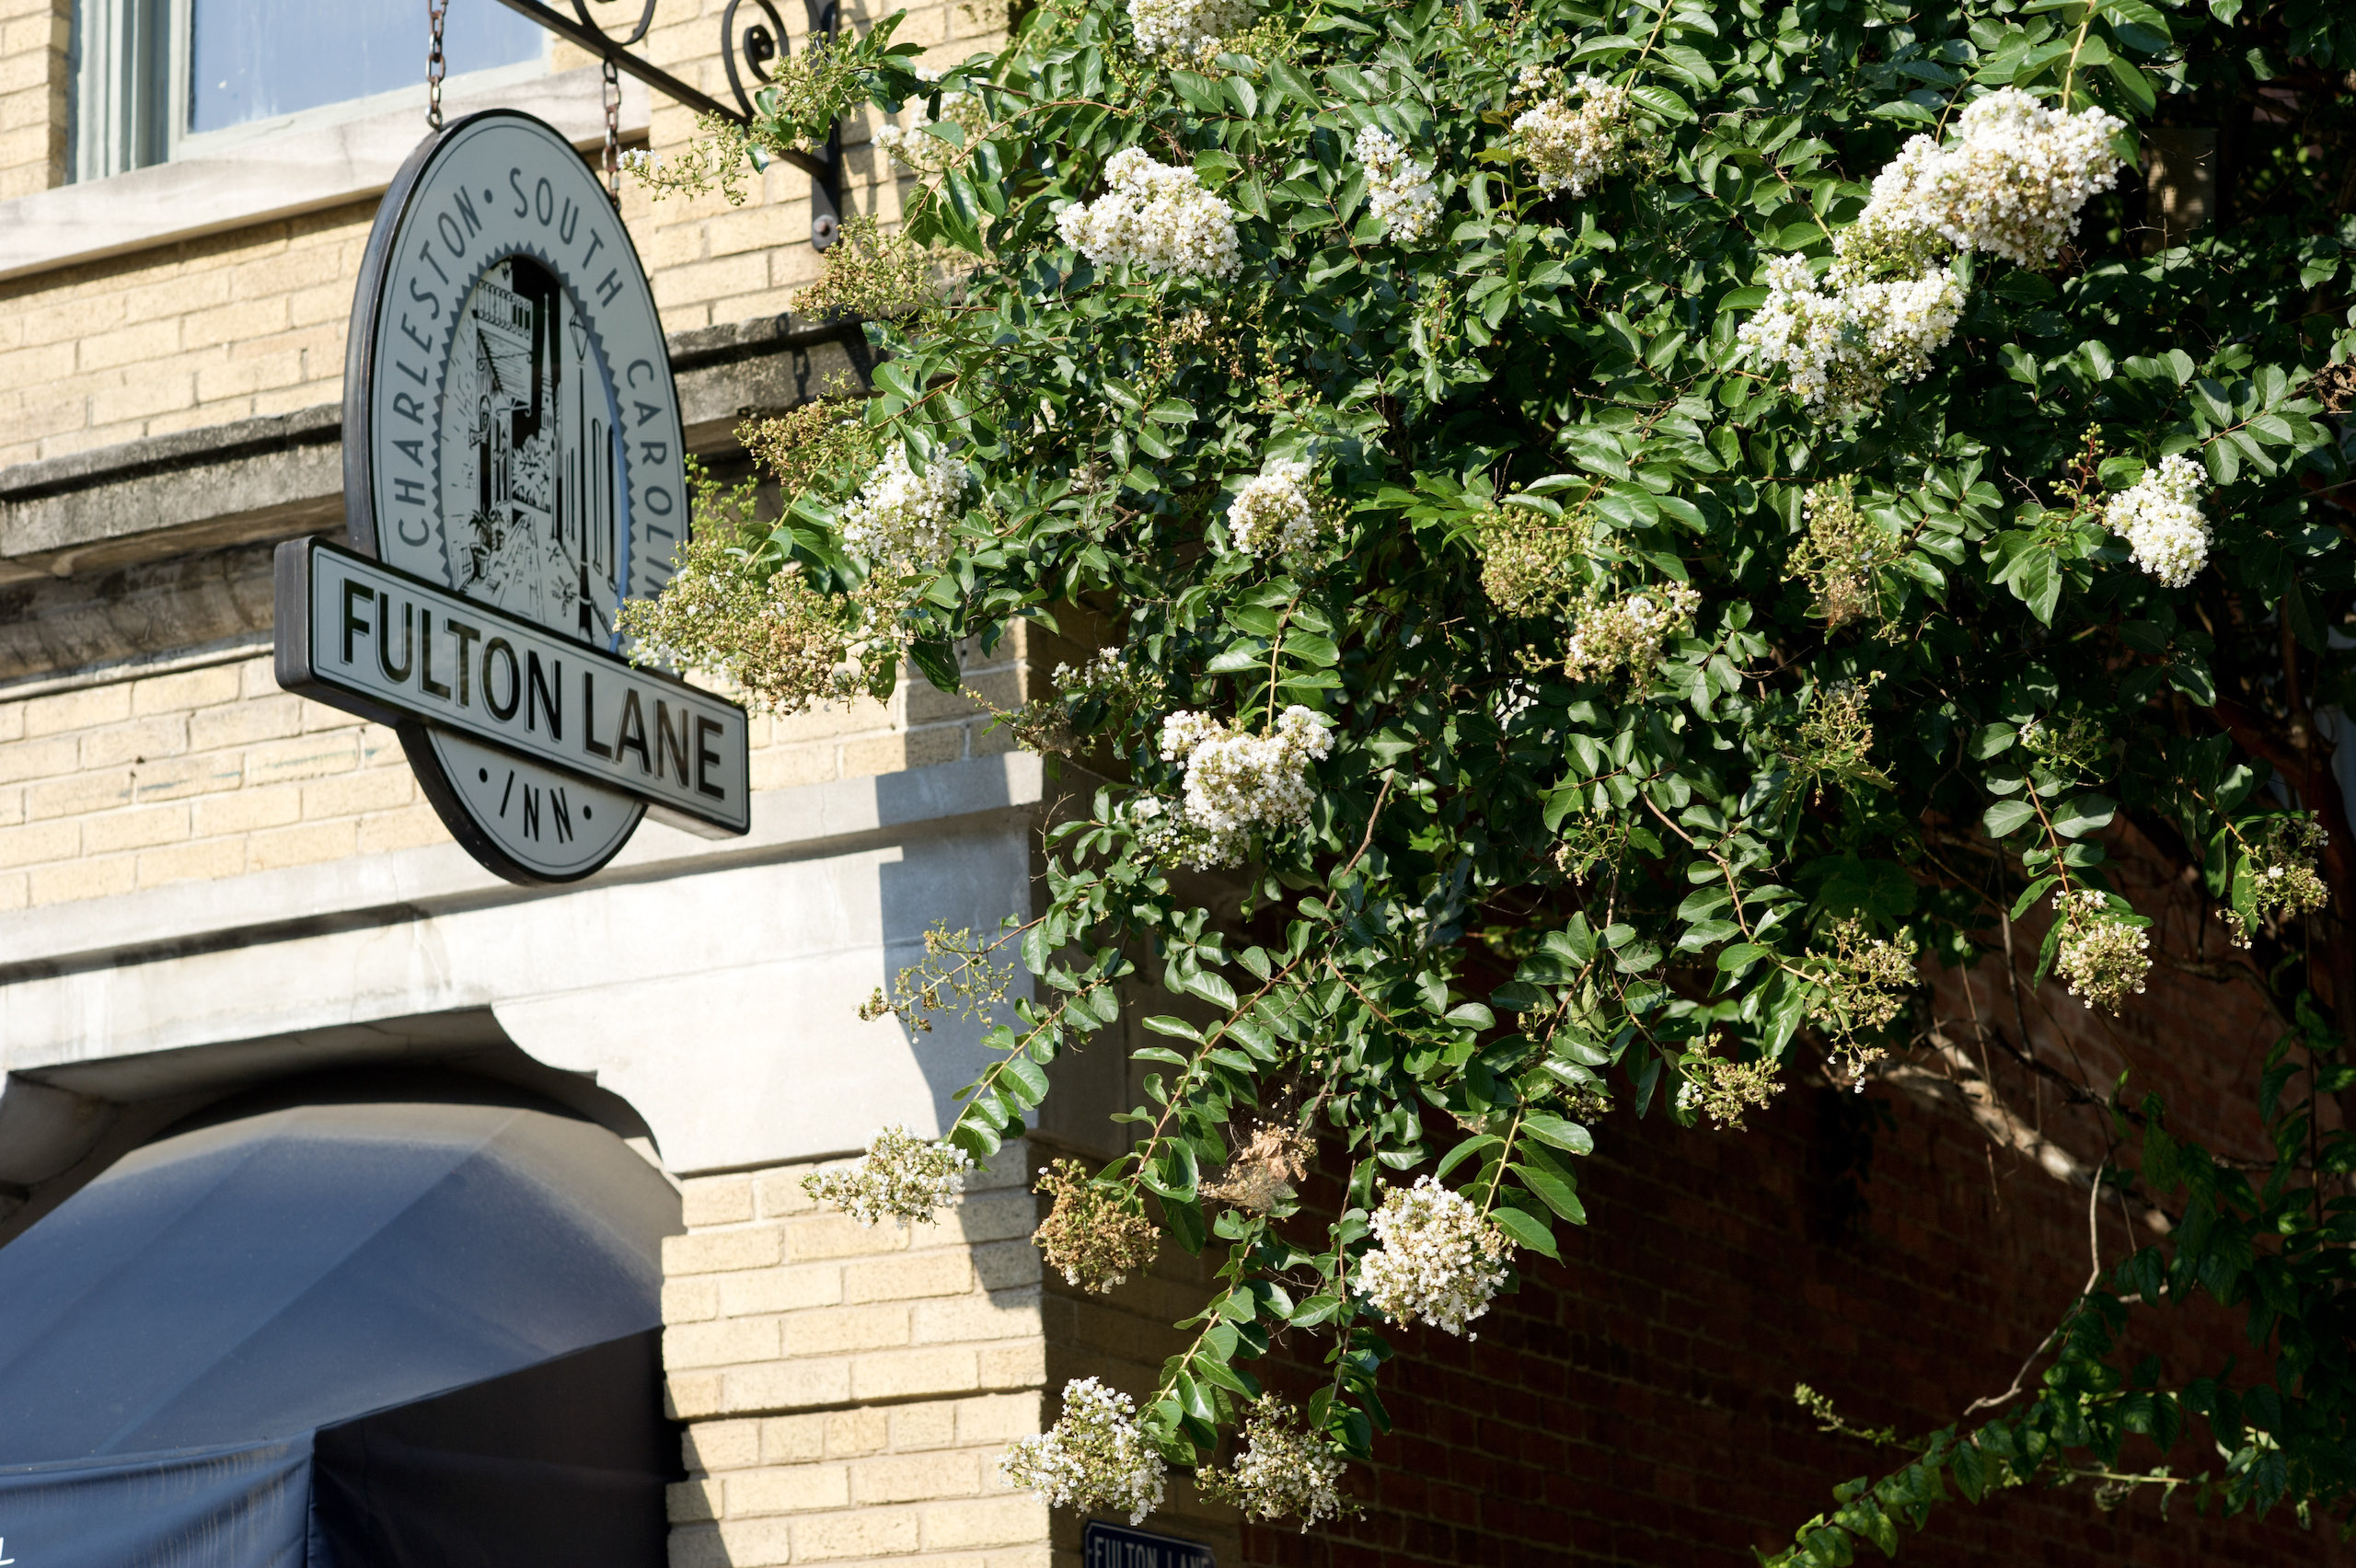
(746, 53)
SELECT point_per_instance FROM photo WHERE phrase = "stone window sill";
(300, 169)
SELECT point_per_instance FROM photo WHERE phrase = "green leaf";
(2007, 817)
(2083, 813)
(1568, 1136)
(936, 659)
(1526, 1229)
(1553, 1192)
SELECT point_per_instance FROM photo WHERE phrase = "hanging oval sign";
(514, 470)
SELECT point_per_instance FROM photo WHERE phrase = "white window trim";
(289, 166)
(132, 60)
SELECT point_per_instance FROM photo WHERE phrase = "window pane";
(254, 59)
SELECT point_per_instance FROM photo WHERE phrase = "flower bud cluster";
(911, 147)
(2101, 957)
(1627, 633)
(2282, 879)
(1273, 512)
(900, 1177)
(901, 518)
(2159, 516)
(1436, 1258)
(1237, 782)
(1842, 553)
(1571, 149)
(1185, 26)
(1097, 1457)
(1399, 191)
(1156, 217)
(1286, 1472)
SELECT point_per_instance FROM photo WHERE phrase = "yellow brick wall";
(847, 1389)
(251, 322)
(213, 771)
(33, 36)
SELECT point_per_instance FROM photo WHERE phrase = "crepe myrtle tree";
(1635, 530)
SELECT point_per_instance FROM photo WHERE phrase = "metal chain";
(433, 63)
(613, 93)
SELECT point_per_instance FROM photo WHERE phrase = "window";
(160, 79)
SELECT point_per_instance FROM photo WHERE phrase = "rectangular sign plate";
(1120, 1546)
(360, 636)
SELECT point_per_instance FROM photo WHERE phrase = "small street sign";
(1105, 1545)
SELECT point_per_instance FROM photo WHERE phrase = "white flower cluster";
(1185, 26)
(1571, 149)
(900, 1177)
(1285, 1472)
(1097, 1457)
(2101, 957)
(1237, 782)
(2159, 516)
(1272, 512)
(911, 146)
(1437, 1259)
(1399, 191)
(2011, 182)
(902, 517)
(1627, 634)
(1844, 345)
(1157, 216)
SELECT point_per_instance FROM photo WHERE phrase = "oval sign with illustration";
(513, 467)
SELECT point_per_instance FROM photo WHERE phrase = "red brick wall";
(1632, 1404)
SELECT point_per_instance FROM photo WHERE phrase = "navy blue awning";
(375, 1331)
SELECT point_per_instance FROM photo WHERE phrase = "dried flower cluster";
(1156, 217)
(1284, 1470)
(1862, 985)
(2281, 879)
(800, 448)
(959, 975)
(2159, 516)
(900, 1177)
(1527, 559)
(1237, 782)
(2012, 182)
(1842, 552)
(1185, 26)
(1273, 512)
(1626, 634)
(781, 643)
(1095, 1457)
(1723, 1090)
(1436, 1258)
(2101, 957)
(1400, 191)
(1260, 1175)
(903, 519)
(1094, 1235)
(872, 274)
(1573, 149)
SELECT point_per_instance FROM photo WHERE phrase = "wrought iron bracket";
(746, 54)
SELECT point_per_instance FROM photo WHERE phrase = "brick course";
(146, 779)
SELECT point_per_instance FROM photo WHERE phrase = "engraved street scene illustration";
(530, 480)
